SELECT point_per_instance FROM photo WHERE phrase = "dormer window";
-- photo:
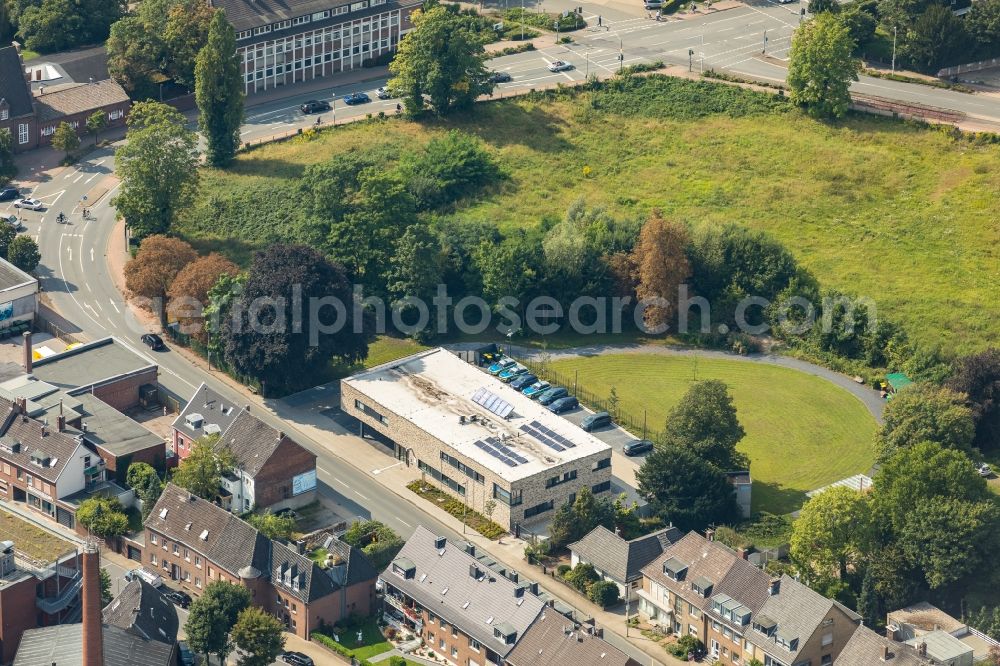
(404, 567)
(674, 569)
(505, 633)
(764, 625)
(702, 586)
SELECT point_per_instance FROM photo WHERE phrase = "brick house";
(703, 588)
(272, 470)
(194, 542)
(32, 119)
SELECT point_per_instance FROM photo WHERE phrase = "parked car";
(9, 194)
(512, 372)
(383, 93)
(637, 447)
(500, 366)
(314, 106)
(12, 221)
(500, 77)
(523, 381)
(536, 390)
(30, 204)
(492, 356)
(984, 470)
(178, 598)
(146, 575)
(595, 421)
(153, 341)
(552, 395)
(296, 659)
(356, 98)
(560, 66)
(185, 654)
(564, 405)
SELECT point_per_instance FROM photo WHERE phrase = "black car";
(185, 655)
(314, 106)
(523, 381)
(564, 405)
(595, 421)
(296, 659)
(178, 598)
(356, 98)
(500, 77)
(153, 341)
(9, 194)
(637, 447)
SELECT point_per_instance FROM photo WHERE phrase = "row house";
(194, 542)
(702, 588)
(271, 469)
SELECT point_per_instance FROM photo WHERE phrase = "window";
(152, 538)
(319, 16)
(538, 508)
(506, 497)
(282, 25)
(4, 114)
(22, 133)
(603, 463)
(826, 660)
(246, 34)
(357, 6)
(152, 559)
(197, 581)
(262, 30)
(557, 480)
(294, 609)
(827, 639)
(443, 478)
(177, 550)
(462, 467)
(197, 561)
(441, 643)
(343, 9)
(454, 652)
(365, 409)
(601, 487)
(300, 20)
(474, 645)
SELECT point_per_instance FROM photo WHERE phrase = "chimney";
(440, 542)
(27, 352)
(93, 631)
(247, 406)
(885, 653)
(710, 535)
(774, 587)
(742, 553)
(890, 632)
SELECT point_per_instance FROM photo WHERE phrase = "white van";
(652, 4)
(145, 575)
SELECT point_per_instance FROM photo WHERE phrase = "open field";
(33, 541)
(802, 431)
(900, 213)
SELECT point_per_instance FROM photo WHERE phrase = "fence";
(882, 106)
(635, 424)
(969, 67)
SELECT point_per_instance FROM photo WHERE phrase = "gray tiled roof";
(33, 437)
(548, 643)
(710, 559)
(229, 542)
(10, 275)
(623, 560)
(866, 649)
(319, 582)
(62, 644)
(214, 409)
(142, 610)
(90, 363)
(79, 98)
(443, 585)
(252, 442)
(13, 86)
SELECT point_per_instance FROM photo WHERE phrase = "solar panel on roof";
(492, 402)
(509, 462)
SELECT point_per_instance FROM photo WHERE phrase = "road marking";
(70, 250)
(71, 174)
(88, 287)
(113, 303)
(88, 305)
(93, 177)
(361, 496)
(101, 307)
(404, 522)
(91, 254)
(341, 482)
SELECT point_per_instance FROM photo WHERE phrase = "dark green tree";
(448, 168)
(23, 253)
(219, 92)
(105, 587)
(103, 516)
(281, 347)
(822, 67)
(415, 272)
(821, 6)
(146, 483)
(686, 490)
(869, 605)
(213, 615)
(7, 236)
(258, 635)
(982, 23)
(442, 57)
(510, 269)
(705, 423)
(604, 593)
(65, 138)
(97, 122)
(7, 167)
(937, 38)
(185, 35)
(273, 526)
(201, 471)
(157, 167)
(977, 376)
(574, 520)
(925, 413)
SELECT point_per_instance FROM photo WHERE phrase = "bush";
(582, 577)
(449, 168)
(563, 569)
(604, 593)
(396, 660)
(687, 645)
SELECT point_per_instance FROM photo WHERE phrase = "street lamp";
(893, 49)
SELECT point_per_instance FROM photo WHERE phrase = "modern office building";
(476, 437)
(281, 43)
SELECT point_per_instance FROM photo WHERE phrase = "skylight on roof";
(163, 513)
(204, 535)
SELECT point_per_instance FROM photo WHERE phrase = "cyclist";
(61, 218)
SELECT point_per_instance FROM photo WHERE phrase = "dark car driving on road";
(153, 341)
(500, 77)
(314, 106)
(178, 598)
(356, 98)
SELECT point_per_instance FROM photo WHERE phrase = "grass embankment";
(894, 211)
(802, 431)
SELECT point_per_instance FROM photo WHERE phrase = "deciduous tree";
(65, 138)
(23, 253)
(978, 377)
(7, 236)
(937, 38)
(189, 290)
(157, 167)
(661, 266)
(442, 57)
(287, 349)
(7, 167)
(151, 272)
(415, 272)
(686, 490)
(97, 122)
(185, 34)
(705, 423)
(201, 471)
(831, 534)
(822, 66)
(103, 516)
(258, 635)
(219, 91)
(146, 483)
(924, 412)
(272, 525)
(212, 616)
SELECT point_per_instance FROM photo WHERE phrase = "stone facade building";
(476, 437)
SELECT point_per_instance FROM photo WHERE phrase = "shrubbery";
(686, 646)
(604, 593)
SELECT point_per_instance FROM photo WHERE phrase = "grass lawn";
(33, 541)
(893, 211)
(386, 348)
(372, 640)
(802, 431)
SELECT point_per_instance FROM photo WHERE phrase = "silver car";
(383, 93)
(560, 66)
(30, 204)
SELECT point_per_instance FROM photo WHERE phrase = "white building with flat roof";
(476, 437)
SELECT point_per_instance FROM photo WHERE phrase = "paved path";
(868, 397)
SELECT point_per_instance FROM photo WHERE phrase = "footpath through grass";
(897, 212)
(802, 431)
